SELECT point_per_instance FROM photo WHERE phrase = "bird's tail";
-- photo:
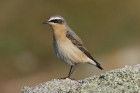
(94, 62)
(99, 66)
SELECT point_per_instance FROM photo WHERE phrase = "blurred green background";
(110, 29)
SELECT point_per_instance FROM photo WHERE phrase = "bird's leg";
(70, 71)
(72, 68)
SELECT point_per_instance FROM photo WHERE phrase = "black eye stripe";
(60, 21)
(55, 20)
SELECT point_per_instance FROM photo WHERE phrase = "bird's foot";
(67, 78)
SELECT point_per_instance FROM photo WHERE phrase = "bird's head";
(55, 20)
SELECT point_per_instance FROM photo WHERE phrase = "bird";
(68, 46)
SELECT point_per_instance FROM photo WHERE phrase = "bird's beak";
(46, 22)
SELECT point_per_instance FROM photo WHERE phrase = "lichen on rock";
(124, 80)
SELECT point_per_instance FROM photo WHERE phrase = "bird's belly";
(69, 53)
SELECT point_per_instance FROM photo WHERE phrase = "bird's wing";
(80, 46)
(71, 32)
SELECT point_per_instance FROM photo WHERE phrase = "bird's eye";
(57, 21)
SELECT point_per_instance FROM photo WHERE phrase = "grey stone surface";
(124, 80)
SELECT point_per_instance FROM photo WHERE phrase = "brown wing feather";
(82, 48)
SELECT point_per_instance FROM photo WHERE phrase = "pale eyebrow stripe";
(54, 18)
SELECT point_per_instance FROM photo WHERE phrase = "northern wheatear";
(68, 46)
